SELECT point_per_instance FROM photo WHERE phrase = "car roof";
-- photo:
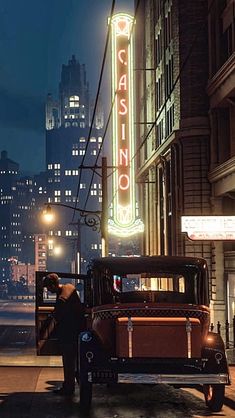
(127, 265)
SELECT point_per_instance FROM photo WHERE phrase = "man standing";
(69, 316)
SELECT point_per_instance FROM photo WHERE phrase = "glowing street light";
(57, 251)
(48, 215)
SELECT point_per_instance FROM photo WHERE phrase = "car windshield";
(154, 282)
(154, 287)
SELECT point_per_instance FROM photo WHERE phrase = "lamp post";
(90, 218)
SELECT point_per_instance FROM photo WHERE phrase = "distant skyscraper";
(66, 146)
(17, 217)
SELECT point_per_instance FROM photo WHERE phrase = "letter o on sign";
(124, 182)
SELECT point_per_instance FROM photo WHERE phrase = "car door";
(46, 337)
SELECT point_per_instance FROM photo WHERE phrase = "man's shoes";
(63, 392)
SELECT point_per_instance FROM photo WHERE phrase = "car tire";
(85, 389)
(214, 396)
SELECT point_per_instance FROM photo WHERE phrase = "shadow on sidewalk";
(38, 405)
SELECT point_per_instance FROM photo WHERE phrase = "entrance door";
(46, 338)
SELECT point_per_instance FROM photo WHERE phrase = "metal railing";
(227, 332)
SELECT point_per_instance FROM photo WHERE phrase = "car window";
(144, 282)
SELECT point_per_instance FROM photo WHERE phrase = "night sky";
(36, 38)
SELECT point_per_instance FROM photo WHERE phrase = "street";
(141, 401)
(27, 392)
(115, 401)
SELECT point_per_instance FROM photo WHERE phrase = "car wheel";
(85, 388)
(214, 396)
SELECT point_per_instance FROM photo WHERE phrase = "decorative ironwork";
(91, 220)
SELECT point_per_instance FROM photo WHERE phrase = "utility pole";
(104, 214)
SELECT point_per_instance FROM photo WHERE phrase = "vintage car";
(148, 322)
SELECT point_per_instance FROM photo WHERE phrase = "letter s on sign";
(123, 104)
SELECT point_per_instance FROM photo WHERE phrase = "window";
(94, 246)
(74, 101)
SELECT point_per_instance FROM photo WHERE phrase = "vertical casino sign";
(124, 221)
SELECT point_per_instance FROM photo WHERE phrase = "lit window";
(92, 139)
(94, 246)
(82, 185)
(74, 101)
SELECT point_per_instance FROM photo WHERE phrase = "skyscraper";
(70, 143)
(17, 216)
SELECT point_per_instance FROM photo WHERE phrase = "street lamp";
(93, 219)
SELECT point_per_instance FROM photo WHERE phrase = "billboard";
(212, 228)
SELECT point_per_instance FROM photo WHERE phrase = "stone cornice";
(222, 74)
(222, 171)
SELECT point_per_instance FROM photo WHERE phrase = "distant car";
(148, 322)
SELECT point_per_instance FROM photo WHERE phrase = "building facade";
(176, 168)
(221, 93)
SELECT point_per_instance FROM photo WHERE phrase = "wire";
(107, 123)
(99, 152)
(94, 111)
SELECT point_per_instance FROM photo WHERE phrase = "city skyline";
(36, 40)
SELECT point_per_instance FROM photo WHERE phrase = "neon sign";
(124, 221)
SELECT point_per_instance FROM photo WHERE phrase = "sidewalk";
(26, 392)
